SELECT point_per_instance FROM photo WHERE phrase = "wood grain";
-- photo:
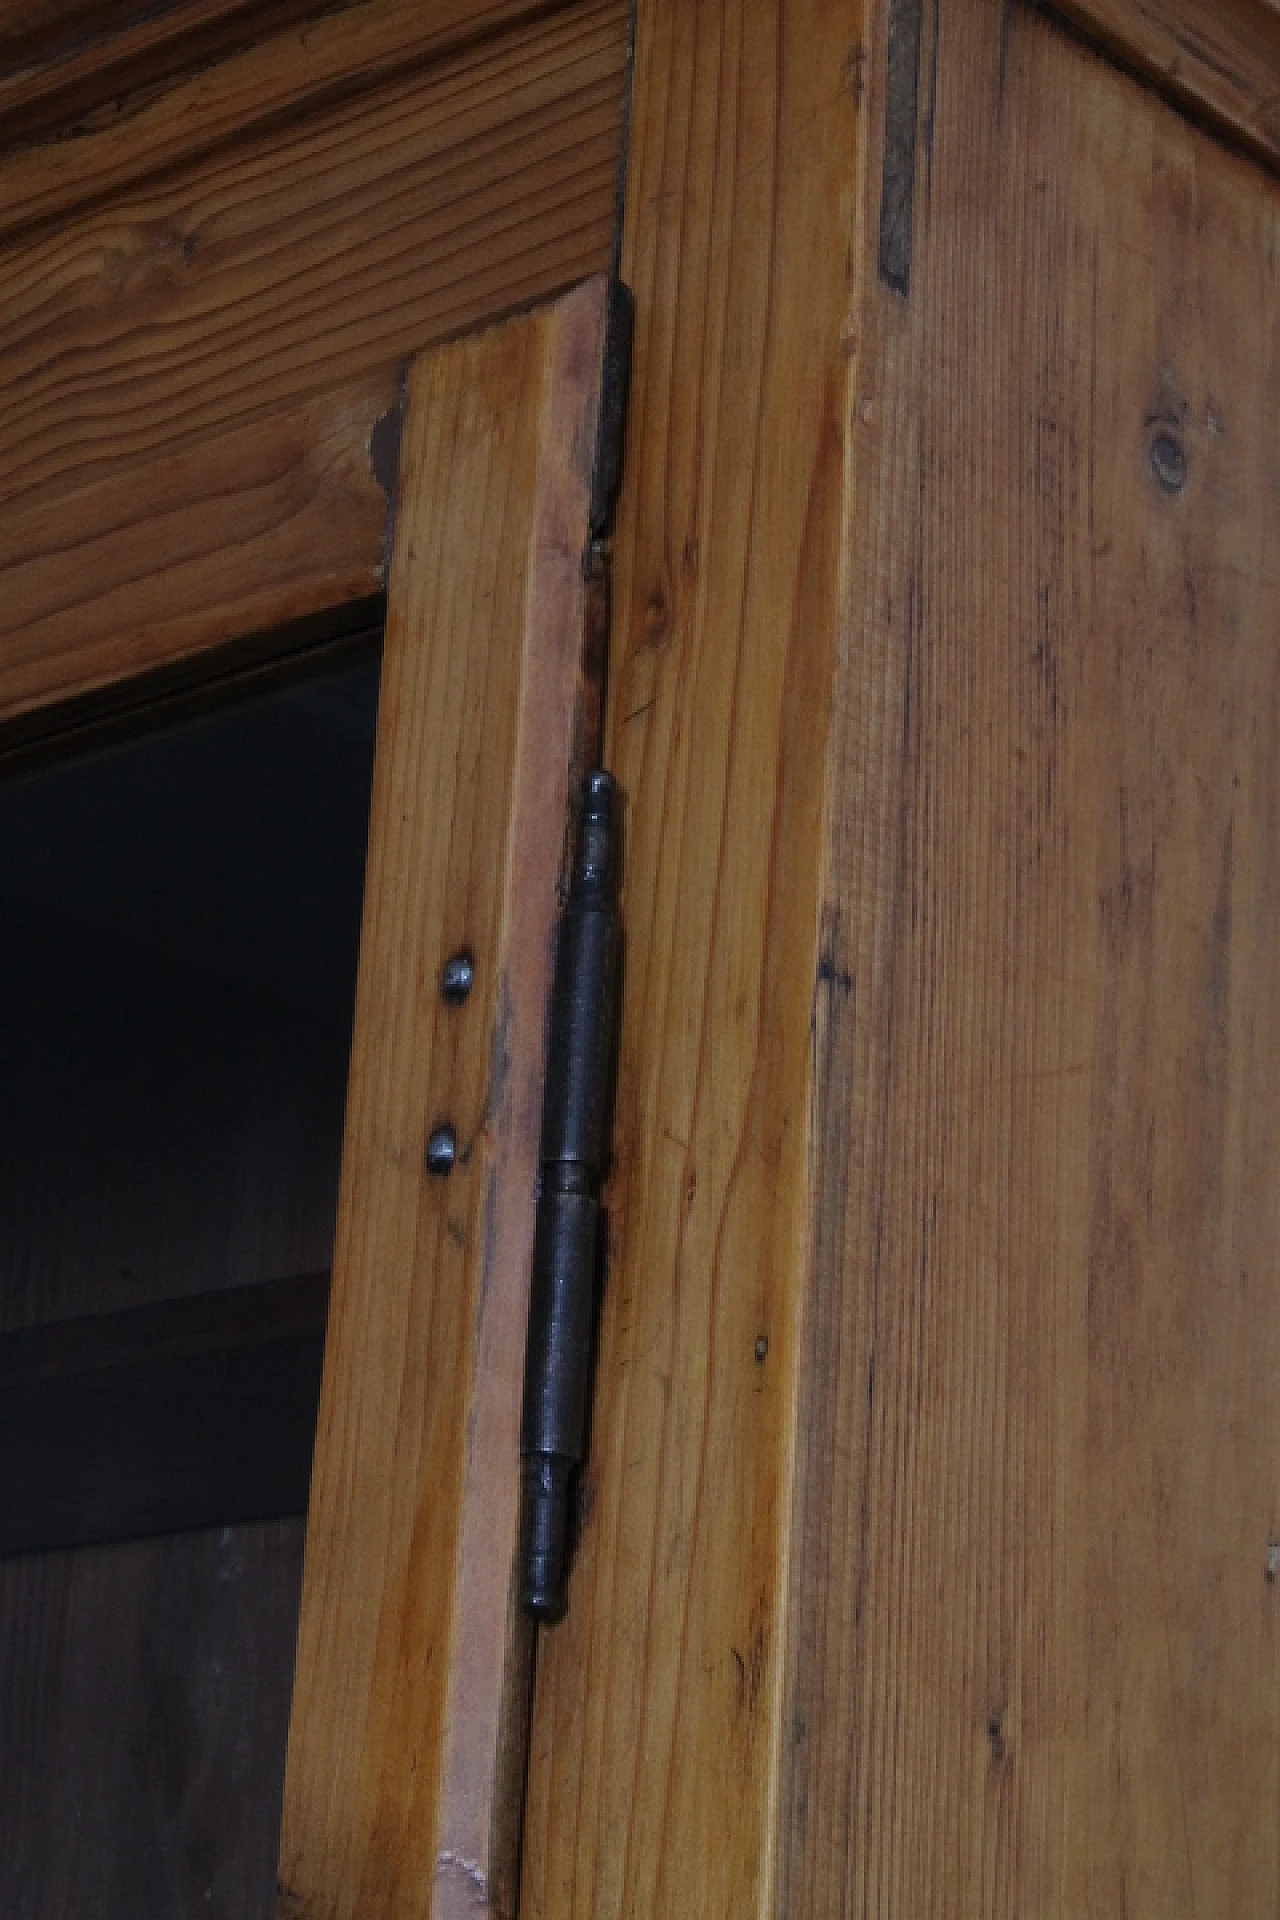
(63, 61)
(166, 89)
(310, 255)
(405, 1759)
(36, 34)
(1219, 58)
(1034, 1643)
(655, 1739)
(246, 531)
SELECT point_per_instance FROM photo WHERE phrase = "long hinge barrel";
(574, 1150)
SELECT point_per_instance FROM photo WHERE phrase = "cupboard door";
(406, 1746)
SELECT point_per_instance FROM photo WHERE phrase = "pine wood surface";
(655, 1734)
(284, 517)
(406, 1750)
(165, 89)
(1220, 58)
(1034, 1638)
(37, 36)
(64, 62)
(310, 254)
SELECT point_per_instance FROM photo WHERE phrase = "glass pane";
(180, 924)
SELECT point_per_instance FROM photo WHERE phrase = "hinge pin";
(574, 1149)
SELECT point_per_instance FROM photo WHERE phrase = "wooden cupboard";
(928, 1551)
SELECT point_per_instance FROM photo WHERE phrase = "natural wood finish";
(36, 35)
(190, 1412)
(1034, 1641)
(155, 97)
(64, 61)
(656, 1734)
(311, 254)
(405, 1759)
(1220, 58)
(245, 531)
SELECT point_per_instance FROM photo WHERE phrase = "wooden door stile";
(406, 1752)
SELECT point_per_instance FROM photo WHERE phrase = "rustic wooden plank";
(1034, 1642)
(34, 33)
(283, 518)
(656, 1736)
(405, 1759)
(1219, 58)
(168, 88)
(195, 1412)
(301, 259)
(62, 61)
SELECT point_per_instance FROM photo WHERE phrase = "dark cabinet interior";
(180, 921)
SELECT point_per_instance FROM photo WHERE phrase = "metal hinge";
(574, 1150)
(577, 1105)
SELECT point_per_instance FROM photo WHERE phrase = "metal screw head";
(762, 1347)
(1168, 458)
(442, 1149)
(458, 977)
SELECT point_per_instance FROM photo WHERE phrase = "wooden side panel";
(405, 1764)
(1034, 1647)
(655, 1735)
(311, 254)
